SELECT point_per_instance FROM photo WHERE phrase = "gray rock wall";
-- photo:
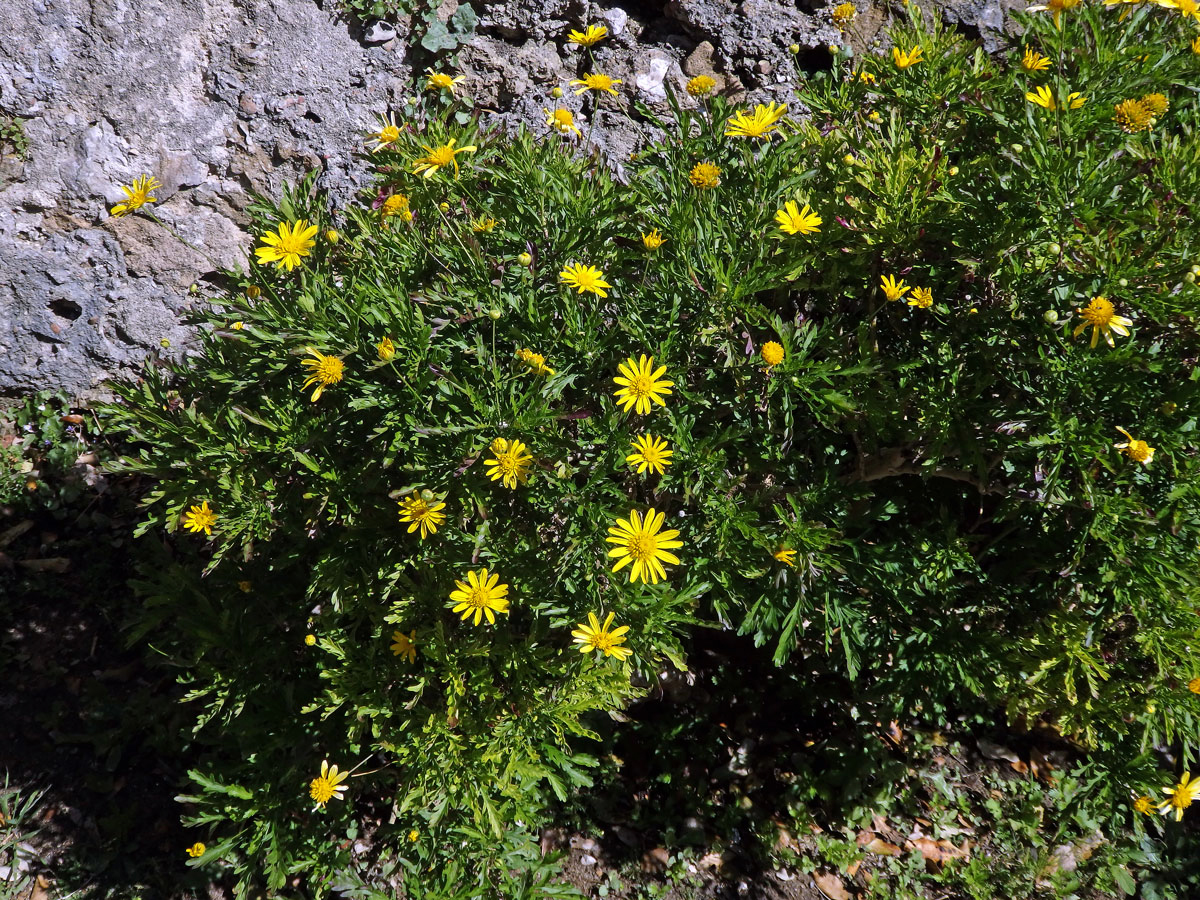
(221, 98)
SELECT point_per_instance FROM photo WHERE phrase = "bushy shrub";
(899, 450)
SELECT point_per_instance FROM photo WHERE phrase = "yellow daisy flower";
(1180, 796)
(386, 349)
(481, 594)
(893, 289)
(1189, 9)
(328, 785)
(1133, 116)
(921, 298)
(483, 225)
(639, 385)
(535, 361)
(1144, 805)
(904, 60)
(1100, 314)
(787, 556)
(703, 85)
(441, 82)
(200, 518)
(405, 645)
(511, 463)
(772, 354)
(197, 850)
(388, 134)
(589, 38)
(594, 636)
(1194, 685)
(584, 278)
(423, 513)
(705, 175)
(1138, 451)
(562, 121)
(597, 82)
(137, 195)
(653, 240)
(1157, 103)
(1033, 61)
(396, 205)
(288, 245)
(649, 452)
(640, 542)
(439, 158)
(325, 370)
(793, 220)
(763, 121)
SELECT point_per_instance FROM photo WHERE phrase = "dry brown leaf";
(1020, 767)
(831, 886)
(883, 848)
(55, 564)
(879, 823)
(854, 867)
(939, 851)
(864, 837)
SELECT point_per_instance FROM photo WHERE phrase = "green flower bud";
(1050, 317)
(525, 259)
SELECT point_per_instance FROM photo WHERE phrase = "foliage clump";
(925, 364)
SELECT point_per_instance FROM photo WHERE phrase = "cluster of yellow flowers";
(1140, 114)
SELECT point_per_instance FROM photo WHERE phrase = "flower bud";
(953, 170)
(556, 93)
(1053, 249)
(1017, 148)
(1050, 317)
(525, 259)
(494, 314)
(1168, 408)
(332, 236)
(310, 640)
(794, 49)
(444, 206)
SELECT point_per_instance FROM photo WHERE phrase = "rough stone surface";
(222, 98)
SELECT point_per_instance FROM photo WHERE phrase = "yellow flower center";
(479, 597)
(1180, 798)
(389, 134)
(1099, 312)
(330, 370)
(564, 121)
(602, 640)
(292, 241)
(642, 546)
(321, 789)
(442, 156)
(641, 386)
(1139, 451)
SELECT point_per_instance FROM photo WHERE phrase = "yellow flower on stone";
(793, 220)
(640, 385)
(328, 785)
(597, 82)
(424, 514)
(405, 645)
(921, 297)
(1138, 451)
(1194, 685)
(137, 195)
(584, 278)
(843, 14)
(511, 463)
(653, 240)
(1180, 796)
(640, 542)
(196, 850)
(388, 134)
(200, 518)
(481, 594)
(763, 121)
(1133, 116)
(594, 636)
(705, 175)
(787, 556)
(903, 60)
(649, 452)
(439, 158)
(1156, 103)
(1101, 315)
(386, 349)
(1144, 805)
(286, 246)
(772, 354)
(589, 38)
(535, 361)
(1033, 61)
(325, 370)
(1055, 7)
(701, 86)
(441, 82)
(562, 121)
(893, 289)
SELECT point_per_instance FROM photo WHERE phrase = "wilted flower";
(388, 134)
(386, 349)
(703, 85)
(922, 298)
(1033, 61)
(405, 645)
(1133, 116)
(787, 556)
(843, 14)
(562, 121)
(535, 361)
(1100, 314)
(196, 850)
(772, 354)
(1138, 451)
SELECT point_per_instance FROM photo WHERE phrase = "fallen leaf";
(55, 564)
(1020, 767)
(831, 886)
(992, 750)
(854, 867)
(883, 848)
(939, 851)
